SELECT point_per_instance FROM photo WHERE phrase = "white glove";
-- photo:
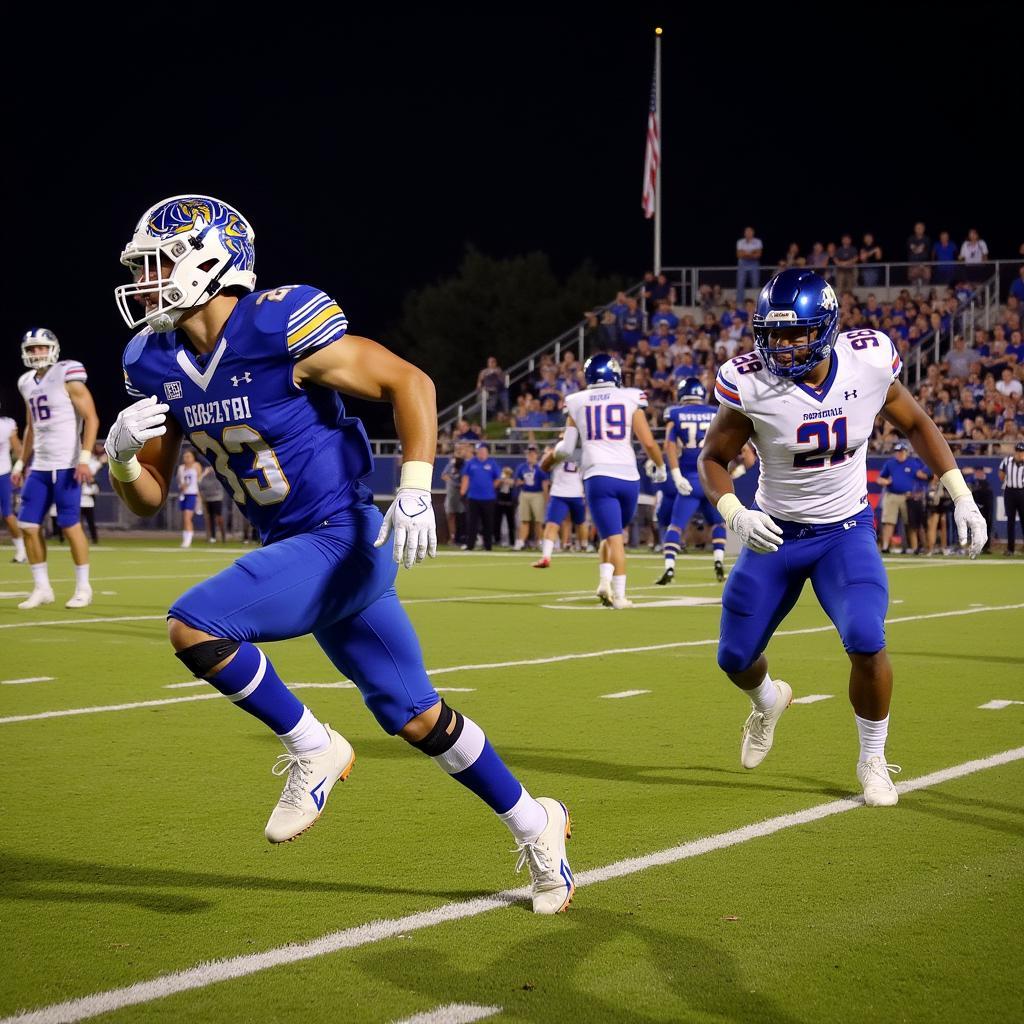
(135, 426)
(757, 530)
(655, 473)
(968, 517)
(683, 486)
(412, 516)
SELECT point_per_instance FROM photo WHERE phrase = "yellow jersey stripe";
(332, 310)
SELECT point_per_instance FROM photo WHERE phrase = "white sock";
(546, 547)
(764, 696)
(872, 736)
(606, 570)
(670, 563)
(82, 577)
(41, 576)
(526, 820)
(19, 546)
(186, 538)
(619, 586)
(309, 736)
(719, 555)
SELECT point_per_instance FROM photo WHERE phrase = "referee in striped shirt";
(1011, 475)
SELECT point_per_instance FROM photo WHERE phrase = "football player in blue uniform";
(807, 399)
(253, 379)
(682, 496)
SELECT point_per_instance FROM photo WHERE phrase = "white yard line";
(998, 705)
(624, 693)
(515, 664)
(212, 972)
(813, 698)
(452, 1013)
(28, 679)
(73, 620)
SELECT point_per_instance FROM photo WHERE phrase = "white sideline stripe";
(212, 972)
(813, 698)
(624, 693)
(105, 579)
(29, 679)
(998, 705)
(73, 620)
(508, 664)
(452, 1013)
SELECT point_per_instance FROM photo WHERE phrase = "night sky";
(366, 152)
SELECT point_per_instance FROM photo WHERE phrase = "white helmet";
(35, 337)
(209, 247)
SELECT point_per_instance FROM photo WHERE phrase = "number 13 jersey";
(812, 442)
(603, 416)
(289, 456)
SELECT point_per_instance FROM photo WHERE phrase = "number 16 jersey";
(813, 442)
(289, 456)
(603, 416)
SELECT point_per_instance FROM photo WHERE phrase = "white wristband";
(417, 474)
(955, 484)
(126, 472)
(84, 455)
(18, 466)
(729, 505)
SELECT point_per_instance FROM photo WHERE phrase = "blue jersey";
(687, 425)
(289, 456)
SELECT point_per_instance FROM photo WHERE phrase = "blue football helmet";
(796, 298)
(602, 369)
(689, 391)
(207, 246)
(39, 337)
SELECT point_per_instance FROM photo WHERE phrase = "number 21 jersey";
(813, 442)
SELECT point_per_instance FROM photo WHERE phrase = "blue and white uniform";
(686, 425)
(812, 443)
(7, 429)
(565, 498)
(295, 465)
(56, 444)
(603, 415)
(188, 487)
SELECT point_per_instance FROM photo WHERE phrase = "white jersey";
(566, 480)
(7, 428)
(188, 479)
(813, 442)
(604, 418)
(56, 425)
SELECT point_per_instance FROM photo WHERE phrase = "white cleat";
(759, 728)
(550, 875)
(621, 602)
(873, 775)
(81, 598)
(39, 595)
(310, 781)
(604, 594)
(20, 561)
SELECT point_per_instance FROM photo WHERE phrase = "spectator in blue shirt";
(480, 476)
(664, 315)
(532, 482)
(632, 325)
(901, 477)
(944, 253)
(1017, 288)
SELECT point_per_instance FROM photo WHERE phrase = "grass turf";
(133, 841)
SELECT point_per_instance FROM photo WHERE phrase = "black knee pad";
(199, 659)
(444, 735)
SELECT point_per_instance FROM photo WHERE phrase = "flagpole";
(661, 135)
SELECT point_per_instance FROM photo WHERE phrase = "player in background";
(188, 494)
(686, 423)
(255, 378)
(602, 420)
(565, 500)
(10, 442)
(59, 436)
(807, 398)
(97, 461)
(212, 495)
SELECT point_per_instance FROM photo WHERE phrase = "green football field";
(136, 885)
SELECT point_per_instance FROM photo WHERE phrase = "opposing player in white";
(188, 494)
(602, 420)
(565, 500)
(10, 442)
(807, 398)
(59, 436)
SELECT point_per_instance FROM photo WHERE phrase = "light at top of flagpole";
(658, 31)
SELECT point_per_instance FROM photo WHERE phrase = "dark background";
(366, 151)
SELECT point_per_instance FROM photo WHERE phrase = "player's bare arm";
(358, 366)
(729, 432)
(81, 399)
(670, 448)
(642, 432)
(18, 470)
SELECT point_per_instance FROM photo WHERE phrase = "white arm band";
(84, 456)
(419, 475)
(18, 466)
(126, 472)
(729, 505)
(954, 482)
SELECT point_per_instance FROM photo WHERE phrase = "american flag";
(652, 156)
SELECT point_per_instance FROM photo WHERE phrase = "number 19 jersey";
(289, 456)
(604, 418)
(813, 442)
